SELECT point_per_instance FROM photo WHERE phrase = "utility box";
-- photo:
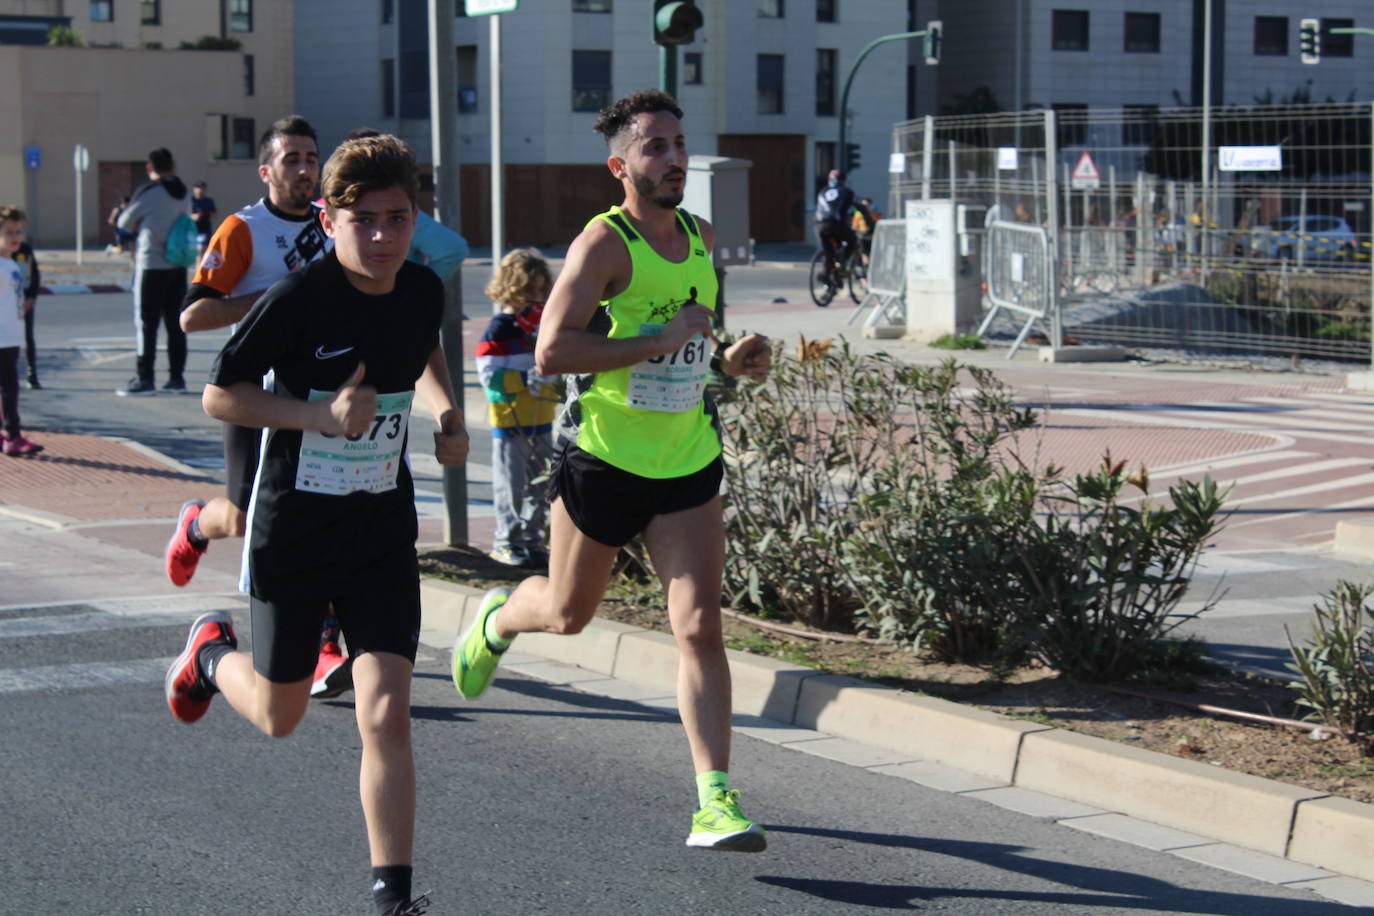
(943, 282)
(718, 192)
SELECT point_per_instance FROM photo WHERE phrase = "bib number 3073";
(369, 461)
(671, 383)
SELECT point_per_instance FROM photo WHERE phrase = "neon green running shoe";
(720, 825)
(474, 660)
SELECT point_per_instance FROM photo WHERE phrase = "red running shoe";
(333, 672)
(182, 556)
(19, 447)
(188, 690)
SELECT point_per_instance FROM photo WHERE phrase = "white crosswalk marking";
(84, 675)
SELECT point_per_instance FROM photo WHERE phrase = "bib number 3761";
(673, 382)
(369, 461)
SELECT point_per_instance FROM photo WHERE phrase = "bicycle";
(828, 275)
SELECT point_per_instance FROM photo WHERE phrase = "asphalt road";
(535, 799)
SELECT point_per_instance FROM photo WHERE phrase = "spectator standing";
(122, 237)
(203, 212)
(28, 267)
(12, 225)
(521, 405)
(159, 285)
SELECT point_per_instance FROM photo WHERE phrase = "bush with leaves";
(1102, 577)
(1336, 668)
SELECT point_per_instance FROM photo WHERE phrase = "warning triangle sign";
(1086, 170)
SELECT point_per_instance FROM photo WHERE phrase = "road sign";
(81, 158)
(33, 157)
(1250, 158)
(1085, 174)
(490, 7)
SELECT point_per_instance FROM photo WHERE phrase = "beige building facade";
(128, 89)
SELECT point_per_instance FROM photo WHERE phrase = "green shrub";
(211, 43)
(1336, 668)
(64, 36)
(1102, 577)
(959, 342)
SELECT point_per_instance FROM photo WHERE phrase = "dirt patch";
(1332, 765)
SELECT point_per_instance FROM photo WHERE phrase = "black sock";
(198, 540)
(390, 886)
(207, 659)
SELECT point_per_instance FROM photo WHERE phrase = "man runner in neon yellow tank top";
(629, 322)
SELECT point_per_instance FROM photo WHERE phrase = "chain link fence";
(1151, 249)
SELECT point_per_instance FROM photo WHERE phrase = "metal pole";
(927, 154)
(1052, 203)
(76, 168)
(849, 80)
(1371, 225)
(443, 113)
(953, 173)
(1206, 105)
(498, 194)
(667, 75)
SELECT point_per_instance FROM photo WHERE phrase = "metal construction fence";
(1156, 240)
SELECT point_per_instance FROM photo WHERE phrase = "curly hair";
(517, 272)
(616, 117)
(359, 167)
(10, 214)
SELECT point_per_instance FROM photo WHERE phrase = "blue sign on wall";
(33, 157)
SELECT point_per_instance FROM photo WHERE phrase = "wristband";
(716, 365)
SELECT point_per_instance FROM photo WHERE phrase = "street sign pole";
(443, 112)
(81, 161)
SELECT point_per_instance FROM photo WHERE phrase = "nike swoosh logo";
(322, 353)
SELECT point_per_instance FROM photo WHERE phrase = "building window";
(691, 68)
(591, 78)
(770, 84)
(240, 15)
(1071, 123)
(102, 10)
(1138, 124)
(249, 75)
(826, 11)
(1337, 45)
(150, 12)
(591, 6)
(389, 11)
(825, 81)
(467, 79)
(244, 140)
(770, 9)
(1271, 36)
(388, 87)
(1142, 33)
(1069, 30)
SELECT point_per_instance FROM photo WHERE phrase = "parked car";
(1320, 238)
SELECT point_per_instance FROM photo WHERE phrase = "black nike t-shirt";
(310, 330)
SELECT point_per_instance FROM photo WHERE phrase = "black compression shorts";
(241, 447)
(378, 609)
(611, 506)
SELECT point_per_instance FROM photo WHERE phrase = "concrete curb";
(1288, 822)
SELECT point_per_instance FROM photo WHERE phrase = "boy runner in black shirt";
(350, 340)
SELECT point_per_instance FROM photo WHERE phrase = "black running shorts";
(611, 506)
(378, 609)
(241, 448)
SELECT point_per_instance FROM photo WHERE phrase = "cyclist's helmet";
(835, 178)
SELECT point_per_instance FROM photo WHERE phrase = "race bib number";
(671, 383)
(369, 461)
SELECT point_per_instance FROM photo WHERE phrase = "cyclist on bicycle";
(833, 231)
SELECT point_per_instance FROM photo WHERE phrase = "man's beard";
(645, 187)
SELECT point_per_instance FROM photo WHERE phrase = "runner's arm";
(228, 257)
(597, 267)
(210, 312)
(349, 412)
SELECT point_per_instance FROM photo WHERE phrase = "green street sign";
(490, 7)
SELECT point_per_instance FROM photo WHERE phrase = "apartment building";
(761, 81)
(1143, 53)
(130, 87)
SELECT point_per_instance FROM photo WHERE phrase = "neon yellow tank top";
(652, 419)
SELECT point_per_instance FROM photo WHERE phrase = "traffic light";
(934, 38)
(851, 156)
(1309, 40)
(675, 22)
